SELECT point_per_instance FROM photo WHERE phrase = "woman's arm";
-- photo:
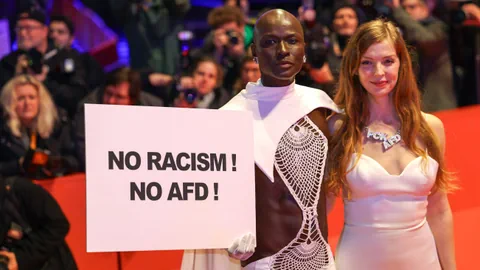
(439, 214)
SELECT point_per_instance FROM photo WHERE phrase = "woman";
(35, 139)
(203, 89)
(387, 157)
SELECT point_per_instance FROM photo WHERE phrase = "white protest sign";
(167, 178)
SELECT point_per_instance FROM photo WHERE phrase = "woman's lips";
(380, 83)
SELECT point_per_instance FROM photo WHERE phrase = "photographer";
(32, 228)
(203, 89)
(51, 66)
(316, 71)
(35, 137)
(225, 43)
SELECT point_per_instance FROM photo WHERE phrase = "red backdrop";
(462, 130)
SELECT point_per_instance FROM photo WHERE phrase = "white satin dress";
(385, 219)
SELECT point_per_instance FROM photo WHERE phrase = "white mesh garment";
(300, 161)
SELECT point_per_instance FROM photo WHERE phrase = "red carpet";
(462, 130)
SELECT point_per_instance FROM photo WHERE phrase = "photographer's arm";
(49, 225)
(9, 168)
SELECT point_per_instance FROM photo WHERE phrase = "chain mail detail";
(300, 161)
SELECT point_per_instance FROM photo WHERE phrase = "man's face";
(250, 72)
(117, 94)
(417, 9)
(280, 48)
(345, 22)
(60, 34)
(205, 77)
(30, 34)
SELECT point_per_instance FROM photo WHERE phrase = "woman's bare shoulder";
(335, 121)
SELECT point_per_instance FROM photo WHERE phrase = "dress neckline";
(404, 169)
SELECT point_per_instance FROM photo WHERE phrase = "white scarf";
(274, 110)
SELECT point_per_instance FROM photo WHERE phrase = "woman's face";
(378, 70)
(250, 72)
(26, 103)
(205, 77)
(345, 22)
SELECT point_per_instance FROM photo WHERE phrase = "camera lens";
(232, 37)
(234, 40)
(4, 262)
(190, 95)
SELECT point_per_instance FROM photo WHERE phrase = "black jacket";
(60, 144)
(43, 223)
(66, 89)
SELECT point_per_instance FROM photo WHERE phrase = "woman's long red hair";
(353, 99)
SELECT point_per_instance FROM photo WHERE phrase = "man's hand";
(43, 75)
(15, 234)
(12, 263)
(159, 79)
(243, 247)
(185, 82)
(220, 39)
(472, 11)
(22, 64)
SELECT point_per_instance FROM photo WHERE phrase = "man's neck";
(271, 82)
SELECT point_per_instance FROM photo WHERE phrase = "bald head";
(274, 17)
(279, 47)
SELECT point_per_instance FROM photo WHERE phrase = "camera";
(190, 95)
(233, 37)
(4, 260)
(35, 60)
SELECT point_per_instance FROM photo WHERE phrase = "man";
(122, 87)
(62, 33)
(429, 35)
(290, 138)
(47, 64)
(226, 42)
